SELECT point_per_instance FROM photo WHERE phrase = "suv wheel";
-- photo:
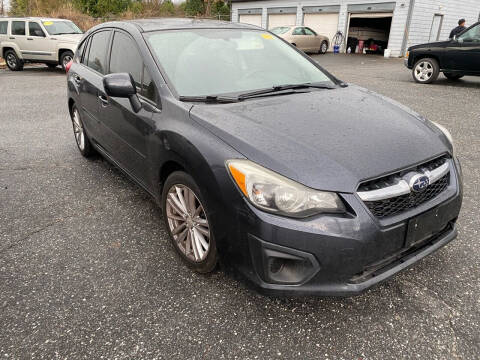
(13, 62)
(426, 71)
(187, 219)
(65, 58)
(83, 143)
(451, 76)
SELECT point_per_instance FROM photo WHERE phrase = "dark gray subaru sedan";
(261, 159)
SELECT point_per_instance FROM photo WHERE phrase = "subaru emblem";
(419, 182)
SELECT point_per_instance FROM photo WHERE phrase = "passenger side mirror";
(122, 85)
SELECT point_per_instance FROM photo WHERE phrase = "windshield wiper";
(209, 99)
(279, 88)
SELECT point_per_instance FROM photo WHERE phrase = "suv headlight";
(277, 194)
(446, 133)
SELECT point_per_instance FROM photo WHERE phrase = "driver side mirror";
(122, 85)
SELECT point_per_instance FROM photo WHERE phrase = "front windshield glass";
(61, 27)
(200, 62)
(280, 30)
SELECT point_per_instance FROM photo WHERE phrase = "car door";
(3, 31)
(89, 80)
(129, 130)
(463, 53)
(18, 35)
(312, 41)
(298, 38)
(39, 46)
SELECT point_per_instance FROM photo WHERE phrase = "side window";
(98, 51)
(149, 90)
(472, 35)
(298, 31)
(34, 29)
(309, 32)
(3, 27)
(125, 58)
(84, 56)
(18, 27)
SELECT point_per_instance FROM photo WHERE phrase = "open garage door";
(250, 16)
(282, 17)
(323, 20)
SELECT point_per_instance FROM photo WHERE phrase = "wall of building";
(399, 20)
(452, 11)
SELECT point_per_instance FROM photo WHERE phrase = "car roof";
(31, 18)
(146, 25)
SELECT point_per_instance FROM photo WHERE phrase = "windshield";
(200, 62)
(61, 27)
(280, 30)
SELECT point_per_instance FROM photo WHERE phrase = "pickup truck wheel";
(13, 62)
(451, 76)
(425, 71)
(66, 57)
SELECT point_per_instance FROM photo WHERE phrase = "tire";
(65, 58)
(81, 138)
(323, 47)
(425, 71)
(192, 232)
(450, 76)
(52, 66)
(12, 60)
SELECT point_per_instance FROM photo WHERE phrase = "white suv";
(40, 40)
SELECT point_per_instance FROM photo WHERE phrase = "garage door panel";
(275, 20)
(323, 24)
(251, 19)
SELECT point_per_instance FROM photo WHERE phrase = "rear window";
(18, 27)
(3, 27)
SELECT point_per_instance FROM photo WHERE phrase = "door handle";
(29, 39)
(103, 100)
(11, 38)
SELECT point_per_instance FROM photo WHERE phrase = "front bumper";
(405, 62)
(342, 255)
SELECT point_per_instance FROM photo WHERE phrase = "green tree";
(194, 7)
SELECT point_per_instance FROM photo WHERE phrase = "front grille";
(393, 206)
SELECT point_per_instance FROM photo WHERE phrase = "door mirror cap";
(122, 85)
(119, 85)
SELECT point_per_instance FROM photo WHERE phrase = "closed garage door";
(251, 19)
(275, 20)
(323, 24)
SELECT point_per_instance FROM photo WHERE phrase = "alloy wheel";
(424, 71)
(11, 61)
(66, 60)
(324, 48)
(78, 130)
(188, 223)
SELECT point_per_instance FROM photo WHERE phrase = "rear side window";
(35, 30)
(125, 58)
(18, 27)
(98, 51)
(298, 31)
(3, 27)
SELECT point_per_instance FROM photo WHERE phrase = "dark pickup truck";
(455, 58)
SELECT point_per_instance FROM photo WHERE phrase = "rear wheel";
(65, 58)
(187, 219)
(453, 76)
(425, 71)
(323, 47)
(83, 143)
(13, 62)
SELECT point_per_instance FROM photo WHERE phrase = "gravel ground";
(86, 270)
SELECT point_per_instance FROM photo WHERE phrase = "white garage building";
(399, 23)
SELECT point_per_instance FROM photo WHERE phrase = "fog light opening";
(288, 269)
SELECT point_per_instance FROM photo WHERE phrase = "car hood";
(75, 38)
(435, 44)
(326, 139)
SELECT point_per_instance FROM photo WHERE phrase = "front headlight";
(446, 133)
(277, 194)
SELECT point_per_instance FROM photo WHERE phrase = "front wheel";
(65, 58)
(13, 62)
(453, 76)
(188, 222)
(425, 71)
(323, 47)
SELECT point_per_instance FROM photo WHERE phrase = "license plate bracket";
(423, 226)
